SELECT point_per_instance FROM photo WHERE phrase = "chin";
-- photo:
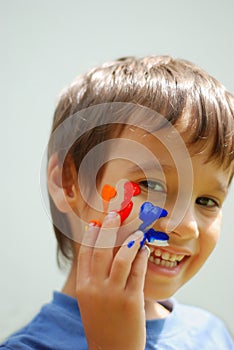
(160, 291)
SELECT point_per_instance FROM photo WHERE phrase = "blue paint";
(130, 244)
(153, 235)
(150, 213)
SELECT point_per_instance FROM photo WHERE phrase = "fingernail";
(145, 248)
(95, 223)
(112, 214)
(138, 234)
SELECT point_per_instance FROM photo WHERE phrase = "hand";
(110, 289)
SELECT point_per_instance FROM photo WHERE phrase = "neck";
(69, 287)
(154, 310)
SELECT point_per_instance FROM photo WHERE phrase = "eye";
(151, 185)
(207, 202)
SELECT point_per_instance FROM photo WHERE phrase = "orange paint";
(108, 192)
(95, 223)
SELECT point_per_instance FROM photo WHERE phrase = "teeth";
(158, 252)
(180, 257)
(161, 262)
(165, 256)
(171, 259)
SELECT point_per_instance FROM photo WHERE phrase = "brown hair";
(166, 85)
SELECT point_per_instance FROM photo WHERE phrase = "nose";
(185, 227)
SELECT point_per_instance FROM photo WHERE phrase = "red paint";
(128, 194)
(125, 212)
(136, 189)
(130, 189)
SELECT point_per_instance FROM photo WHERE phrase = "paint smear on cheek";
(131, 189)
(108, 192)
(149, 213)
(157, 238)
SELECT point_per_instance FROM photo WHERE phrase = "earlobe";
(64, 197)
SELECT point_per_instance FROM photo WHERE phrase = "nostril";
(187, 228)
(174, 233)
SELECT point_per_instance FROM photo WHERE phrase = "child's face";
(193, 231)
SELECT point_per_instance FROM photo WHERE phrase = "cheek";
(88, 210)
(210, 236)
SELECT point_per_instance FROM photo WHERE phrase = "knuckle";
(132, 302)
(121, 263)
(98, 254)
(135, 274)
(85, 289)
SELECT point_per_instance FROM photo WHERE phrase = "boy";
(165, 126)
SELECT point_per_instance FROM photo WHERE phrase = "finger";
(108, 232)
(124, 258)
(86, 252)
(136, 278)
(103, 251)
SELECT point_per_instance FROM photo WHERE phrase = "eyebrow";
(150, 166)
(220, 187)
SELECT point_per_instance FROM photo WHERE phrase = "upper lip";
(176, 250)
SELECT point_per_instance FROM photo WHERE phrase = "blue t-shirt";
(58, 326)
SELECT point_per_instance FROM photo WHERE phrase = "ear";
(64, 196)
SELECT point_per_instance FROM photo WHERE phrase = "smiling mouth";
(163, 258)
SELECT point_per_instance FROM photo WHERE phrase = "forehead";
(169, 148)
(163, 152)
(165, 143)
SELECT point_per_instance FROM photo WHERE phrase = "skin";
(117, 288)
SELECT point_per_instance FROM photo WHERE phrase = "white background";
(44, 45)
